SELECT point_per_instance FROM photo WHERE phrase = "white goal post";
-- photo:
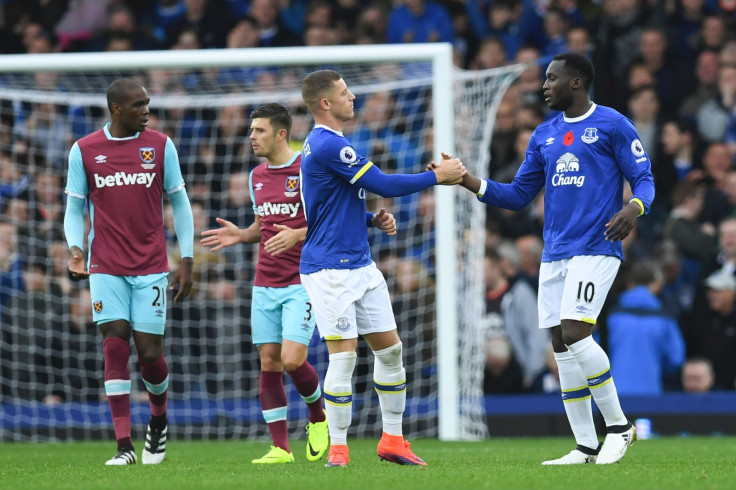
(453, 232)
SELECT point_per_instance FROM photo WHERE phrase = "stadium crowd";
(668, 65)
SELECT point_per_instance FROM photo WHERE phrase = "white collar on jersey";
(291, 160)
(111, 137)
(328, 128)
(580, 118)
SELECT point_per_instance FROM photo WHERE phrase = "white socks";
(389, 381)
(338, 393)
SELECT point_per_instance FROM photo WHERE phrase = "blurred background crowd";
(669, 65)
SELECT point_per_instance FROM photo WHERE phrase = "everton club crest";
(590, 136)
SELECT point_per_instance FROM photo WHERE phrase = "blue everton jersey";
(582, 163)
(337, 235)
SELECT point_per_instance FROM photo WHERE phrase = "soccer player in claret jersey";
(123, 170)
(582, 156)
(349, 295)
(281, 317)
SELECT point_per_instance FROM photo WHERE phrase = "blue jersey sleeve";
(173, 181)
(529, 180)
(76, 181)
(634, 162)
(394, 185)
(355, 168)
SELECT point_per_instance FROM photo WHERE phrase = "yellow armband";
(641, 205)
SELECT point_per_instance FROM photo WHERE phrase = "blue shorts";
(281, 313)
(139, 300)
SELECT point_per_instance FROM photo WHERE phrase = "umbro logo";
(258, 186)
(101, 158)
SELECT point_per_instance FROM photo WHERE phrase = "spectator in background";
(578, 41)
(710, 331)
(713, 32)
(345, 19)
(158, 16)
(271, 31)
(11, 261)
(638, 76)
(654, 54)
(530, 79)
(371, 24)
(716, 114)
(681, 153)
(502, 374)
(79, 358)
(704, 87)
(122, 25)
(617, 36)
(503, 151)
(644, 111)
(47, 204)
(555, 26)
(716, 165)
(413, 304)
(697, 375)
(694, 240)
(511, 312)
(47, 129)
(677, 291)
(210, 19)
(530, 249)
(419, 21)
(491, 54)
(319, 35)
(644, 341)
(499, 19)
(79, 23)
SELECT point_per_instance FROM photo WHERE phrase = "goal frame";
(439, 54)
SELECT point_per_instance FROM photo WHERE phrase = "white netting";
(51, 351)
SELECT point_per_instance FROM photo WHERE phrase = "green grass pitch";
(663, 463)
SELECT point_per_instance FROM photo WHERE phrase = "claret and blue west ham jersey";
(119, 175)
(337, 235)
(276, 199)
(582, 163)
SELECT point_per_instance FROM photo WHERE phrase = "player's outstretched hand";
(449, 171)
(182, 279)
(385, 222)
(77, 267)
(622, 223)
(283, 240)
(228, 234)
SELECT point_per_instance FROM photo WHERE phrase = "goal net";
(411, 104)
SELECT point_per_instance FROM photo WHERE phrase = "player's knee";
(391, 356)
(150, 353)
(292, 364)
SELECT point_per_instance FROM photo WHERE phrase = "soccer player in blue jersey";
(581, 157)
(282, 318)
(122, 171)
(348, 293)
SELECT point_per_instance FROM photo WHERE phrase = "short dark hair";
(277, 114)
(579, 66)
(317, 84)
(119, 89)
(645, 272)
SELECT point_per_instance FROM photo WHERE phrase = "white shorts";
(575, 289)
(349, 302)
